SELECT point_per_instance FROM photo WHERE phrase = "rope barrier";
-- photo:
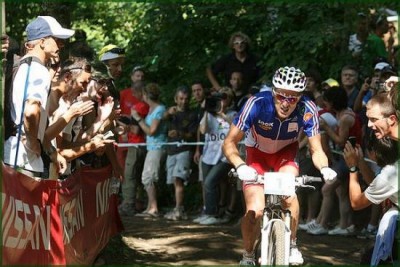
(179, 144)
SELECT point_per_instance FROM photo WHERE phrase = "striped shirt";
(266, 132)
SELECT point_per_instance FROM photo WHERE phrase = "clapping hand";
(81, 108)
(105, 109)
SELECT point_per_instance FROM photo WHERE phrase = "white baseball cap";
(44, 26)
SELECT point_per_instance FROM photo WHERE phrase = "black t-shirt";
(229, 63)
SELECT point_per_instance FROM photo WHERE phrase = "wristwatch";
(353, 169)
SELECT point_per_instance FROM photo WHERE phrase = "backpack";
(11, 71)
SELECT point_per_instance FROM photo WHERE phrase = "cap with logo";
(45, 26)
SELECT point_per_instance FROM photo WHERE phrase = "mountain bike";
(273, 246)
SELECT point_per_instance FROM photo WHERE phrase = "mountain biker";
(270, 122)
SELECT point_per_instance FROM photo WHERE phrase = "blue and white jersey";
(266, 132)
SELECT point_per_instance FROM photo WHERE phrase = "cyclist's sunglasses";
(290, 99)
(117, 50)
(87, 68)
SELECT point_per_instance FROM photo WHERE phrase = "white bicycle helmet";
(290, 78)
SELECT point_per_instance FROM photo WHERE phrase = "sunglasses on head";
(87, 68)
(117, 50)
(290, 99)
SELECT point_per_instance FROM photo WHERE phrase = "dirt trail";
(157, 241)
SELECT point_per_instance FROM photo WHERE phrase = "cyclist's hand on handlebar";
(329, 175)
(247, 173)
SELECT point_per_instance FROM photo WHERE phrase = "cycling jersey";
(266, 132)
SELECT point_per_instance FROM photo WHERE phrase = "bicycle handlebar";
(300, 181)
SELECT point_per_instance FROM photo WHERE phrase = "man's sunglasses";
(87, 68)
(290, 99)
(117, 50)
(102, 81)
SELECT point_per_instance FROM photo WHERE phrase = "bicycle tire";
(276, 248)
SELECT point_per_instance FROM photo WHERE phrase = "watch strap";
(353, 169)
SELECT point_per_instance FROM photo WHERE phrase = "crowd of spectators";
(70, 115)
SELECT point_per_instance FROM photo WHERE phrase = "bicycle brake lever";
(308, 186)
(232, 173)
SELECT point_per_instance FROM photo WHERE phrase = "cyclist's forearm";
(234, 157)
(318, 155)
(230, 147)
(320, 159)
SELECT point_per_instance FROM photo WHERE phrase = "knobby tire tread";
(277, 243)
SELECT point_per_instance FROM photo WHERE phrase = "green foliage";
(176, 40)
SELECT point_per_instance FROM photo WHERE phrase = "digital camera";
(213, 102)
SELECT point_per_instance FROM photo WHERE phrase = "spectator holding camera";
(373, 85)
(383, 121)
(215, 126)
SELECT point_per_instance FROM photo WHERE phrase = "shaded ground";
(157, 241)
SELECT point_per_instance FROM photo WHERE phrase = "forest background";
(176, 40)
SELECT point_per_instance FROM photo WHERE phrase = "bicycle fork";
(265, 234)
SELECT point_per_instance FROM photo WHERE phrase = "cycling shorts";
(263, 162)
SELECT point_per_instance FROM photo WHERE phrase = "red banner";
(48, 222)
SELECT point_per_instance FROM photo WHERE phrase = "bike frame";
(279, 185)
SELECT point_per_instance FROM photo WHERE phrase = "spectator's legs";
(345, 211)
(232, 195)
(223, 192)
(150, 176)
(313, 202)
(179, 193)
(152, 206)
(212, 176)
(129, 184)
(328, 200)
(201, 179)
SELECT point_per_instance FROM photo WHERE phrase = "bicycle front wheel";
(276, 248)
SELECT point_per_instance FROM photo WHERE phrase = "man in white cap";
(25, 149)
